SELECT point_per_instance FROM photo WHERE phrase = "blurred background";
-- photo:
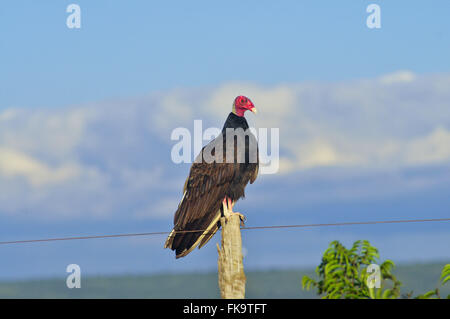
(86, 116)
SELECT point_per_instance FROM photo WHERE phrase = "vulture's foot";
(228, 210)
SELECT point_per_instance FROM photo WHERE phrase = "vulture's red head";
(242, 104)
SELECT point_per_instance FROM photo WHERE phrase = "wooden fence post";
(230, 263)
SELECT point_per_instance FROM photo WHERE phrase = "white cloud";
(432, 148)
(50, 133)
(111, 157)
(17, 164)
(162, 209)
(174, 107)
(318, 153)
(8, 115)
(398, 77)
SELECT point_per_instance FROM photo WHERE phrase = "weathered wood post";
(231, 268)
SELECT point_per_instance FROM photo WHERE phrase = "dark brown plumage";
(209, 182)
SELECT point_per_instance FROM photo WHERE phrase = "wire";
(354, 223)
(243, 228)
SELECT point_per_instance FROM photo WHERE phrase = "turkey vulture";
(216, 180)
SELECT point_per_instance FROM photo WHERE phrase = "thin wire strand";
(243, 228)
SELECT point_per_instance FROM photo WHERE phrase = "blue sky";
(86, 117)
(130, 48)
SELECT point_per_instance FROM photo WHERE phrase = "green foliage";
(445, 276)
(343, 273)
(435, 294)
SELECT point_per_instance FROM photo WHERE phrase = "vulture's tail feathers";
(185, 242)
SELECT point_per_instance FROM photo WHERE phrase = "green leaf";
(386, 294)
(371, 293)
(342, 273)
(427, 295)
(445, 276)
(306, 282)
(330, 267)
